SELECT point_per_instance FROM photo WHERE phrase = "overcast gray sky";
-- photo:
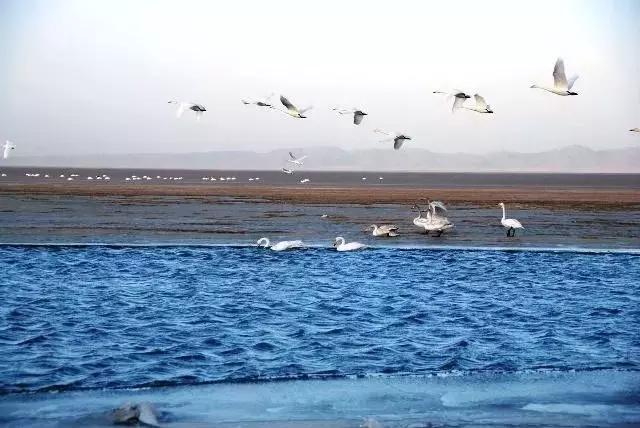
(94, 76)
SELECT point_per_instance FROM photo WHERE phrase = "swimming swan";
(389, 230)
(351, 246)
(280, 246)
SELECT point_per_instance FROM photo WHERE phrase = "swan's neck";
(265, 241)
(340, 240)
(503, 212)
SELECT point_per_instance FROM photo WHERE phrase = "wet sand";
(568, 197)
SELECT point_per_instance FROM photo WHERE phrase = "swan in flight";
(511, 224)
(459, 98)
(358, 114)
(292, 110)
(261, 102)
(561, 86)
(481, 105)
(397, 138)
(389, 230)
(295, 160)
(6, 149)
(288, 171)
(635, 130)
(280, 246)
(304, 180)
(182, 106)
(434, 221)
(340, 245)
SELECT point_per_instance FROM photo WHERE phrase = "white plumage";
(511, 224)
(340, 245)
(561, 86)
(279, 246)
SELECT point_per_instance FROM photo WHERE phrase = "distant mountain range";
(569, 159)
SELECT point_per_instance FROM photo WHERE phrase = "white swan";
(419, 221)
(261, 102)
(182, 106)
(635, 130)
(357, 113)
(340, 245)
(397, 138)
(561, 86)
(292, 110)
(295, 160)
(389, 230)
(459, 98)
(481, 105)
(280, 246)
(511, 224)
(433, 222)
(7, 147)
(288, 171)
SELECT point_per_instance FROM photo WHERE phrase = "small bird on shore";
(511, 224)
(6, 149)
(388, 230)
(561, 86)
(292, 110)
(397, 138)
(199, 109)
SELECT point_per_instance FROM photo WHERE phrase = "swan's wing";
(7, 148)
(438, 205)
(357, 118)
(292, 156)
(306, 109)
(480, 102)
(300, 159)
(198, 115)
(398, 142)
(571, 81)
(559, 77)
(457, 103)
(285, 102)
(181, 109)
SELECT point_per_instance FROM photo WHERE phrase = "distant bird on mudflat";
(397, 138)
(561, 86)
(199, 109)
(358, 114)
(481, 105)
(292, 110)
(459, 98)
(260, 102)
(6, 149)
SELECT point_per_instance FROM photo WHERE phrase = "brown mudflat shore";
(569, 197)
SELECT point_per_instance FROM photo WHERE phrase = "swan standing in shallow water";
(280, 246)
(561, 86)
(389, 230)
(511, 224)
(351, 246)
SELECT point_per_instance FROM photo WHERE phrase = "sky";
(94, 76)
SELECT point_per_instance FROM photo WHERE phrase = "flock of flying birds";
(434, 219)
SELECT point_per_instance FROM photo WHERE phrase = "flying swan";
(561, 86)
(182, 106)
(292, 110)
(397, 138)
(481, 105)
(295, 160)
(358, 114)
(7, 147)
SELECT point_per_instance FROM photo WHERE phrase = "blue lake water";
(112, 317)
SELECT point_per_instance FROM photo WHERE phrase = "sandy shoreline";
(569, 197)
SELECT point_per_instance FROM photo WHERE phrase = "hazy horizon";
(94, 77)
